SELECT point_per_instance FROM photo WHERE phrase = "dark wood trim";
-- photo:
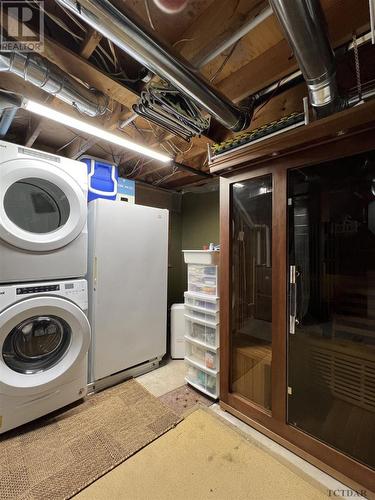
(328, 459)
(279, 332)
(275, 436)
(225, 288)
(339, 465)
(333, 129)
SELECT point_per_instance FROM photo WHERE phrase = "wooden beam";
(14, 83)
(79, 68)
(88, 46)
(349, 123)
(181, 179)
(218, 20)
(90, 43)
(33, 132)
(78, 148)
(343, 17)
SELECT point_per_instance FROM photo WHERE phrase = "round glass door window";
(36, 205)
(36, 344)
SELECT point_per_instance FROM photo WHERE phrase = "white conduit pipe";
(202, 60)
(372, 20)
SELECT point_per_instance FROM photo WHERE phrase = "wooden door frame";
(332, 461)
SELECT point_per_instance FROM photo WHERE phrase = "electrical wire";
(107, 54)
(112, 49)
(183, 40)
(56, 20)
(224, 63)
(73, 18)
(149, 15)
(266, 102)
(164, 178)
(67, 144)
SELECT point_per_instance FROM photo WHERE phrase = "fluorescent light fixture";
(101, 134)
(238, 185)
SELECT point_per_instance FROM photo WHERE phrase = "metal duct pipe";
(48, 77)
(130, 36)
(304, 26)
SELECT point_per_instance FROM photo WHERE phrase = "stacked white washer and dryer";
(44, 331)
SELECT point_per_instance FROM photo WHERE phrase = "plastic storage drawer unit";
(202, 380)
(202, 319)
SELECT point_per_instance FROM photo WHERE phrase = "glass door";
(251, 314)
(331, 364)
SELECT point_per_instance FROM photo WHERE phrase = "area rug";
(56, 457)
(184, 400)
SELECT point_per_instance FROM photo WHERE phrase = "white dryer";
(44, 341)
(43, 215)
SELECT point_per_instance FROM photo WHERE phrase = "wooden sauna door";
(331, 363)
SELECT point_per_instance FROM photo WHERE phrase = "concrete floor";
(165, 379)
(202, 458)
(168, 377)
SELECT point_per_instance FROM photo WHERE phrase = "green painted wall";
(200, 220)
(193, 222)
(200, 224)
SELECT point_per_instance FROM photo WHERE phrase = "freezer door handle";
(95, 273)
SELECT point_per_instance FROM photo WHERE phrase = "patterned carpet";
(59, 455)
(184, 400)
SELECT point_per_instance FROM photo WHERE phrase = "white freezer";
(128, 267)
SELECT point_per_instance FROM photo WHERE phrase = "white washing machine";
(43, 216)
(44, 341)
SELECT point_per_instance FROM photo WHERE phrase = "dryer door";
(42, 340)
(42, 208)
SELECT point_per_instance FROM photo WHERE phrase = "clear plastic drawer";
(202, 314)
(209, 384)
(203, 279)
(208, 358)
(207, 303)
(201, 331)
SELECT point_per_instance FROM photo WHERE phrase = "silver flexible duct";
(304, 27)
(143, 46)
(48, 77)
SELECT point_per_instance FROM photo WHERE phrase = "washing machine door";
(42, 208)
(42, 340)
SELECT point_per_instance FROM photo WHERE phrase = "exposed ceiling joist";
(344, 17)
(262, 57)
(90, 43)
(35, 129)
(218, 20)
(88, 46)
(78, 148)
(78, 67)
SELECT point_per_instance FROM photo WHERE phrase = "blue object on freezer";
(102, 178)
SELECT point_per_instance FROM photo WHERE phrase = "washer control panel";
(74, 290)
(37, 289)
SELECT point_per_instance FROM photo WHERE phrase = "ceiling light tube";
(101, 134)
